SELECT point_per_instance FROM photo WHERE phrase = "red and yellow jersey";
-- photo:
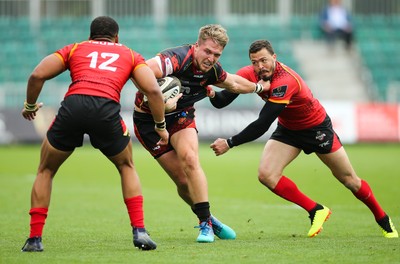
(99, 68)
(287, 87)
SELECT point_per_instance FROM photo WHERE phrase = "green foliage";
(88, 223)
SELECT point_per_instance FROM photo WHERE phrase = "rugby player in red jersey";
(196, 66)
(99, 69)
(303, 124)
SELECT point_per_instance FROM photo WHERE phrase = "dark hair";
(258, 45)
(103, 27)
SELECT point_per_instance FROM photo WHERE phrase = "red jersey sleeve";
(138, 60)
(64, 52)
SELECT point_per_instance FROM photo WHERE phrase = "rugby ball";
(170, 87)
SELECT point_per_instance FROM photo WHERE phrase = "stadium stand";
(377, 42)
(377, 38)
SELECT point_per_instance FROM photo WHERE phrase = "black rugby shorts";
(321, 139)
(97, 117)
(148, 137)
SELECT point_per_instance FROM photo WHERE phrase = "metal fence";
(222, 9)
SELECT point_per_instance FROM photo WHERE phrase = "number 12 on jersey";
(106, 64)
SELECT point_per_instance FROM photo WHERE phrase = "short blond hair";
(215, 32)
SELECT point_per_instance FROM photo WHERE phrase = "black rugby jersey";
(178, 61)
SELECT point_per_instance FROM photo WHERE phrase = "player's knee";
(350, 181)
(190, 160)
(266, 178)
(46, 173)
(182, 183)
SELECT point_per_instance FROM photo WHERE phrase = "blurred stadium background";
(360, 89)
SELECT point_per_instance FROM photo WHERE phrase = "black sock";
(202, 210)
(312, 212)
(384, 223)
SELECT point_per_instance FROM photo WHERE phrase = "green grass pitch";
(88, 223)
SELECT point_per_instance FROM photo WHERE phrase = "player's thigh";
(147, 136)
(338, 161)
(124, 158)
(276, 156)
(186, 143)
(168, 161)
(339, 164)
(51, 158)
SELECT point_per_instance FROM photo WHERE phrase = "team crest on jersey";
(320, 136)
(279, 91)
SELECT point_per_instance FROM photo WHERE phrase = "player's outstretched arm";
(254, 130)
(222, 98)
(237, 84)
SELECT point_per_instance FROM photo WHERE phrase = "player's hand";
(220, 146)
(210, 91)
(170, 104)
(29, 113)
(266, 85)
(164, 137)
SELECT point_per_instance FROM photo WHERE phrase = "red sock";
(288, 190)
(38, 218)
(365, 195)
(135, 211)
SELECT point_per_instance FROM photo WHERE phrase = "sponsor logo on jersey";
(279, 91)
(182, 117)
(168, 66)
